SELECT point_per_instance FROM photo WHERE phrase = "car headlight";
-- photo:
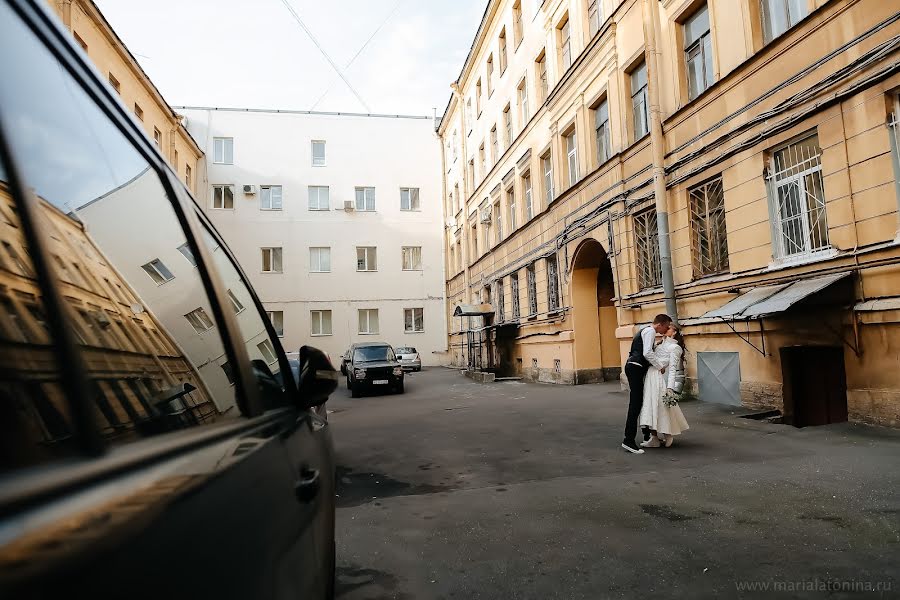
(398, 371)
(359, 373)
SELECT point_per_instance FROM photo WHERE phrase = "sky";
(253, 54)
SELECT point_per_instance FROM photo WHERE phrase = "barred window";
(501, 301)
(552, 283)
(514, 291)
(797, 197)
(646, 240)
(709, 239)
(532, 289)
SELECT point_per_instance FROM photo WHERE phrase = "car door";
(144, 454)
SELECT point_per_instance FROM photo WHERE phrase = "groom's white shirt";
(648, 336)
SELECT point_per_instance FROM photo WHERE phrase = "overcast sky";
(253, 54)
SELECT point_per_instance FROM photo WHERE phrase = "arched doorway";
(597, 355)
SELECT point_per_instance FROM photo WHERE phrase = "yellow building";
(779, 147)
(139, 95)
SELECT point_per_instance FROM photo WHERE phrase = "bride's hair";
(678, 337)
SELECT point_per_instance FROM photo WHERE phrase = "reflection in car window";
(137, 307)
(35, 421)
(406, 350)
(373, 353)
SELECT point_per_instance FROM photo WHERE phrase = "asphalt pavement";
(461, 490)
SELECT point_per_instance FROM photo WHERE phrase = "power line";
(325, 54)
(358, 52)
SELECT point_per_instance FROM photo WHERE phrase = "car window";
(139, 311)
(372, 354)
(406, 350)
(35, 420)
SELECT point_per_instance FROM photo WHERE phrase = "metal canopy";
(473, 310)
(771, 299)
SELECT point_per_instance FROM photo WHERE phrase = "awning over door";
(772, 299)
(473, 310)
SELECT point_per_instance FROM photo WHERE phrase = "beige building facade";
(779, 149)
(116, 64)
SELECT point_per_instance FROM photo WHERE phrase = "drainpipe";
(657, 145)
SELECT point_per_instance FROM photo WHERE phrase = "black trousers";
(635, 375)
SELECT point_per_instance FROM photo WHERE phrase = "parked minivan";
(154, 440)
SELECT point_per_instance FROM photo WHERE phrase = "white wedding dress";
(668, 420)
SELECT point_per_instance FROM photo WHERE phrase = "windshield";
(406, 350)
(373, 354)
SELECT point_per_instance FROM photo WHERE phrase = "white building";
(336, 219)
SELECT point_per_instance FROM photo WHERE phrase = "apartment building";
(335, 218)
(115, 63)
(777, 152)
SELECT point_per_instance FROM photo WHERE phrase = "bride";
(665, 421)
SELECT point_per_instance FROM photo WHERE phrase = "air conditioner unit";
(348, 205)
(486, 215)
(249, 189)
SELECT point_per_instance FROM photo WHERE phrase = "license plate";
(380, 382)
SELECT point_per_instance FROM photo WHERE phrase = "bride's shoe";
(670, 439)
(653, 442)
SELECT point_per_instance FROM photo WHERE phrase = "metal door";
(719, 375)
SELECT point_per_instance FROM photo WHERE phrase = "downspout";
(657, 145)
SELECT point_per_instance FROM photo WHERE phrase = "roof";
(473, 310)
(767, 300)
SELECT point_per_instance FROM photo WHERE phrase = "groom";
(640, 359)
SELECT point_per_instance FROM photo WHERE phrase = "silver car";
(409, 358)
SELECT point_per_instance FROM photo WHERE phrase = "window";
(235, 303)
(486, 230)
(601, 131)
(157, 138)
(473, 241)
(502, 53)
(514, 291)
(532, 289)
(565, 45)
(498, 219)
(412, 258)
(320, 322)
(175, 160)
(267, 350)
(798, 196)
(199, 320)
(229, 372)
(277, 319)
(188, 177)
(501, 301)
(572, 155)
(318, 197)
(471, 173)
(547, 167)
(366, 258)
(23, 268)
(413, 320)
(507, 126)
(223, 151)
(365, 199)
(698, 52)
(543, 85)
(780, 15)
(529, 203)
(495, 146)
(409, 199)
(649, 271)
(594, 17)
(271, 260)
(469, 119)
(318, 153)
(270, 197)
(640, 117)
(368, 321)
(455, 146)
(511, 207)
(80, 41)
(138, 112)
(320, 260)
(188, 254)
(710, 244)
(115, 83)
(490, 76)
(459, 255)
(524, 115)
(552, 283)
(517, 23)
(482, 158)
(223, 197)
(478, 97)
(157, 271)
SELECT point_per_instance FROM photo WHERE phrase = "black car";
(154, 441)
(373, 366)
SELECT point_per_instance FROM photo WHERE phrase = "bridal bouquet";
(670, 398)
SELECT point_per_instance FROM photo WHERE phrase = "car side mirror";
(269, 385)
(318, 379)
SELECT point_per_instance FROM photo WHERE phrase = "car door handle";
(307, 487)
